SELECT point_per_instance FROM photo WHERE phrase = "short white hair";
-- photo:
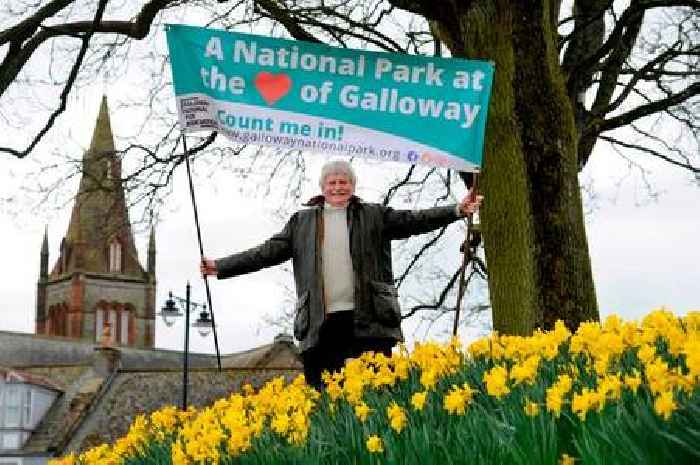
(337, 167)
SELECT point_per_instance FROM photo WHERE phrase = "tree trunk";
(534, 234)
(548, 134)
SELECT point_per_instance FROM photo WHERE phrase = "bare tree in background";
(568, 75)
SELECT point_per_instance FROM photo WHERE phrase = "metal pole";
(186, 359)
(201, 249)
(465, 262)
(465, 259)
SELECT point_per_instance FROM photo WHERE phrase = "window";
(9, 441)
(124, 336)
(27, 407)
(12, 407)
(58, 320)
(115, 256)
(113, 326)
(99, 324)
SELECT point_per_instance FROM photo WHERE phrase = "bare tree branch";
(66, 89)
(652, 152)
(273, 9)
(417, 255)
(22, 31)
(13, 62)
(646, 110)
(439, 303)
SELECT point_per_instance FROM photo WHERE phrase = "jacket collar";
(319, 200)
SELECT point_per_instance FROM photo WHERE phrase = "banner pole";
(201, 247)
(466, 258)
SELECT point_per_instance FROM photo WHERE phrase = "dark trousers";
(336, 344)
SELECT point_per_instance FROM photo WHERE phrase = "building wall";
(109, 289)
(58, 292)
(82, 294)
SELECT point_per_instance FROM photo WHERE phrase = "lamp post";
(203, 324)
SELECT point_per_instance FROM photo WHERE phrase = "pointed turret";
(40, 312)
(44, 261)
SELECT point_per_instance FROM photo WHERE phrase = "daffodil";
(397, 417)
(566, 459)
(362, 411)
(664, 405)
(496, 381)
(457, 400)
(418, 400)
(531, 408)
(374, 444)
(633, 382)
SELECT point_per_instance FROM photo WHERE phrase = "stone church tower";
(98, 287)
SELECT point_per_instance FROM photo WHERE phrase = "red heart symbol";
(272, 87)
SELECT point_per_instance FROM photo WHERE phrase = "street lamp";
(170, 312)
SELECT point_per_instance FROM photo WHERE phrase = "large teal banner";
(293, 94)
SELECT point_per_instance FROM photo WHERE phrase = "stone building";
(101, 389)
(97, 285)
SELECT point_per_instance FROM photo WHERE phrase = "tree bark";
(534, 233)
(548, 135)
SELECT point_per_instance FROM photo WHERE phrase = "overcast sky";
(644, 252)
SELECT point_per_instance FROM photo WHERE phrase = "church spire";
(98, 281)
(99, 237)
(102, 137)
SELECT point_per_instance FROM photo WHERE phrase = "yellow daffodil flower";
(418, 400)
(374, 444)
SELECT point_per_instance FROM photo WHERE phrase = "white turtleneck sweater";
(338, 276)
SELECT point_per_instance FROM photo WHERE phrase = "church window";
(59, 320)
(115, 256)
(58, 324)
(99, 324)
(124, 333)
(113, 326)
(114, 318)
(109, 169)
